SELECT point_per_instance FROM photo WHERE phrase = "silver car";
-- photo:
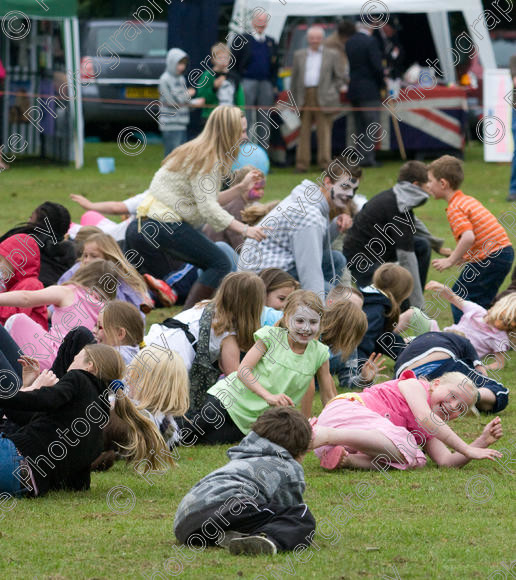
(121, 62)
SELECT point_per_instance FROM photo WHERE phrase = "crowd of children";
(232, 368)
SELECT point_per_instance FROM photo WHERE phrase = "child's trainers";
(165, 293)
(229, 535)
(252, 545)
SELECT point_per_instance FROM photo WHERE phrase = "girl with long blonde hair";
(100, 246)
(158, 391)
(185, 194)
(392, 284)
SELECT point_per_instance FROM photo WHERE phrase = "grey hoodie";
(259, 471)
(409, 196)
(174, 116)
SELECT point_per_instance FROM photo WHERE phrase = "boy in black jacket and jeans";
(386, 230)
(254, 504)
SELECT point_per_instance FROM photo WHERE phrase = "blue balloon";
(252, 154)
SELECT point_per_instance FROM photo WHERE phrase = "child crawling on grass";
(254, 504)
(386, 424)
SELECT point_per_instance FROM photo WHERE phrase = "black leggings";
(211, 425)
(9, 353)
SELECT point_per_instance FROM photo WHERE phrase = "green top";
(222, 96)
(280, 371)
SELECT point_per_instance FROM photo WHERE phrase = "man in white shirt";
(317, 76)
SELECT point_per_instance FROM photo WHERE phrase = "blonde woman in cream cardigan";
(184, 195)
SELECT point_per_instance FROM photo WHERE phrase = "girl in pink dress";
(385, 425)
(77, 302)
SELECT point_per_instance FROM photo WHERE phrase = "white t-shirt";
(175, 339)
(132, 203)
(115, 229)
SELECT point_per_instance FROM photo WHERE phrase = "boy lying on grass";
(254, 504)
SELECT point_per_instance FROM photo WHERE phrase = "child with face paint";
(385, 425)
(276, 372)
(300, 242)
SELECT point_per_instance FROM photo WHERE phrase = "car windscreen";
(146, 44)
(503, 50)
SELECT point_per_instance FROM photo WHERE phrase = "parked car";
(117, 94)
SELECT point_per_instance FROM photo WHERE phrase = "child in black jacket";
(55, 448)
(392, 284)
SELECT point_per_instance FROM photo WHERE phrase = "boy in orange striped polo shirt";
(483, 245)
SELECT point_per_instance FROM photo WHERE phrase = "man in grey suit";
(317, 76)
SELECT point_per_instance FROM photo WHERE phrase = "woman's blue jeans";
(181, 241)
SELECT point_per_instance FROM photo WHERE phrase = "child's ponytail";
(144, 439)
(397, 284)
(255, 212)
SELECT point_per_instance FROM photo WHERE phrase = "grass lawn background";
(430, 523)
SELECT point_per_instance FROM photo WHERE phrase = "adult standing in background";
(365, 82)
(316, 81)
(257, 64)
(337, 41)
(512, 186)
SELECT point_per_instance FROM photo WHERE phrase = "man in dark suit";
(366, 80)
(317, 76)
(257, 64)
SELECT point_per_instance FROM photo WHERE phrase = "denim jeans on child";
(483, 282)
(330, 278)
(9, 462)
(172, 140)
(512, 186)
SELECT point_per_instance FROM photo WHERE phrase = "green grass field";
(430, 523)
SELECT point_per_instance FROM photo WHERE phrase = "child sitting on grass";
(254, 504)
(276, 371)
(482, 243)
(352, 371)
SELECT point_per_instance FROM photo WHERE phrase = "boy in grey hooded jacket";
(254, 504)
(174, 113)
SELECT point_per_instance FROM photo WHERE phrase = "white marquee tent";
(436, 10)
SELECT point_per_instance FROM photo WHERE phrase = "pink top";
(83, 312)
(485, 338)
(44, 346)
(386, 400)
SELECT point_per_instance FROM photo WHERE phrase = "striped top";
(467, 213)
